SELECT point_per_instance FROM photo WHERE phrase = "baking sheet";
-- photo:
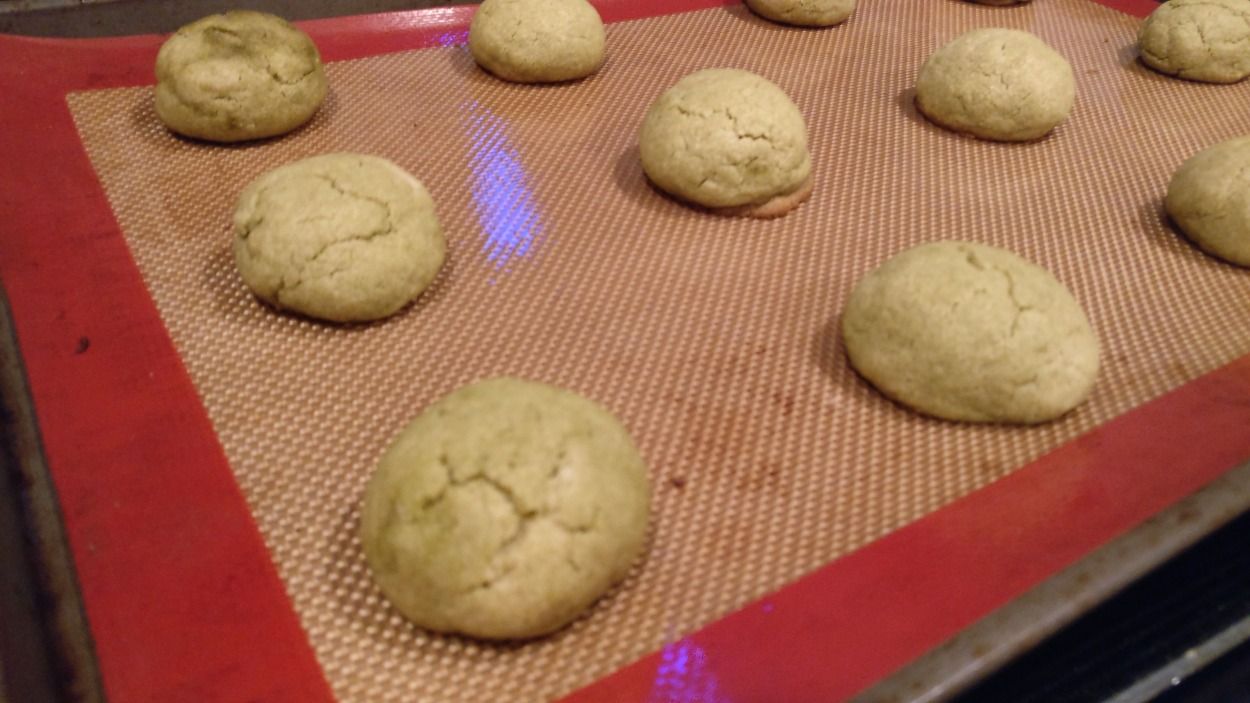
(713, 339)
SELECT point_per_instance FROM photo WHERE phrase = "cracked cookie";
(238, 76)
(504, 510)
(1209, 199)
(537, 41)
(341, 237)
(1198, 40)
(804, 13)
(970, 332)
(999, 84)
(730, 141)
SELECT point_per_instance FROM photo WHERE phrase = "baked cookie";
(537, 41)
(971, 332)
(805, 13)
(999, 84)
(341, 237)
(1198, 40)
(238, 76)
(1209, 199)
(504, 510)
(1000, 3)
(730, 141)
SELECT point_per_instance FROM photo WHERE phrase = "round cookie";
(238, 76)
(804, 13)
(1000, 3)
(1198, 40)
(537, 41)
(1209, 199)
(970, 332)
(504, 510)
(999, 84)
(730, 141)
(341, 237)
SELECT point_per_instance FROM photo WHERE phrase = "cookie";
(505, 510)
(537, 41)
(238, 76)
(730, 141)
(340, 237)
(1198, 40)
(1209, 199)
(970, 332)
(804, 13)
(1000, 3)
(999, 84)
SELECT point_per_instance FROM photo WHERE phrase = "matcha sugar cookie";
(238, 76)
(998, 84)
(729, 140)
(965, 331)
(340, 237)
(537, 41)
(504, 510)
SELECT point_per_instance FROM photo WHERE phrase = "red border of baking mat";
(183, 601)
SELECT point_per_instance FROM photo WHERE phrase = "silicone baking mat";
(713, 339)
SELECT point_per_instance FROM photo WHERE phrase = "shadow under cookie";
(774, 207)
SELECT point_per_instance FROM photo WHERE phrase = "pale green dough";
(726, 138)
(804, 13)
(970, 332)
(1209, 199)
(1199, 40)
(537, 41)
(340, 237)
(504, 510)
(238, 76)
(1000, 84)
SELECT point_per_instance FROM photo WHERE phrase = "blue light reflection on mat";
(452, 38)
(506, 209)
(684, 676)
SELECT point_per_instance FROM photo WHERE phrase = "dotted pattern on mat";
(713, 339)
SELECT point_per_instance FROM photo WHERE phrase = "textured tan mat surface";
(713, 339)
